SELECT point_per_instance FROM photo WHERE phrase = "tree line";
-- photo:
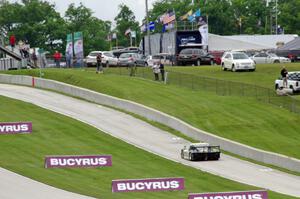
(38, 23)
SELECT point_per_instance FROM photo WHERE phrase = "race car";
(200, 151)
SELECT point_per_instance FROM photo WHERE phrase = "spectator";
(12, 42)
(284, 75)
(156, 70)
(57, 58)
(99, 63)
(68, 59)
(162, 70)
(132, 67)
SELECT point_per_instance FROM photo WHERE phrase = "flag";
(114, 35)
(127, 31)
(143, 28)
(151, 25)
(184, 17)
(169, 17)
(133, 34)
(196, 14)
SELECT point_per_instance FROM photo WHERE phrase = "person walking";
(284, 75)
(99, 63)
(57, 58)
(156, 70)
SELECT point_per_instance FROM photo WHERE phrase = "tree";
(289, 17)
(125, 20)
(95, 31)
(33, 21)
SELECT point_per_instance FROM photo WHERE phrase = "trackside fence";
(217, 86)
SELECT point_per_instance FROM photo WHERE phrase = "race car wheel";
(182, 156)
(276, 87)
(276, 61)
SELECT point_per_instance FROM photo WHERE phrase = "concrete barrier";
(279, 160)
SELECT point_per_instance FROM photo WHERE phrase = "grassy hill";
(264, 76)
(244, 120)
(54, 134)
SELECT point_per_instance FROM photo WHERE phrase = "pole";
(276, 16)
(148, 29)
(130, 39)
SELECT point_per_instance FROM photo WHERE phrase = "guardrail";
(283, 161)
(9, 64)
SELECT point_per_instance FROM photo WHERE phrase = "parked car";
(194, 56)
(200, 151)
(119, 52)
(128, 59)
(108, 59)
(235, 61)
(217, 56)
(293, 81)
(91, 58)
(265, 58)
(141, 60)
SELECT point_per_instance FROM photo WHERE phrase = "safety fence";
(9, 64)
(217, 86)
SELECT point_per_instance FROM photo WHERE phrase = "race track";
(149, 138)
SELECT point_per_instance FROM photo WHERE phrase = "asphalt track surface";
(140, 134)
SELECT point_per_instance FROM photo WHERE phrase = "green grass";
(244, 120)
(54, 134)
(265, 74)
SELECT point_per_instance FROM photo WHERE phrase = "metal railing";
(217, 86)
(9, 64)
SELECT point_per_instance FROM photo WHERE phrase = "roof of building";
(292, 45)
(267, 40)
(224, 43)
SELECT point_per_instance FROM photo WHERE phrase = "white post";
(276, 17)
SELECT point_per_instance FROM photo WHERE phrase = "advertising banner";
(69, 46)
(144, 185)
(15, 127)
(203, 29)
(231, 195)
(78, 48)
(78, 161)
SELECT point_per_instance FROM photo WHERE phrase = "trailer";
(171, 42)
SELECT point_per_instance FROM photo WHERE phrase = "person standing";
(99, 63)
(162, 70)
(68, 59)
(156, 70)
(57, 58)
(12, 42)
(284, 75)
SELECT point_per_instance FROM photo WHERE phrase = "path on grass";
(152, 139)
